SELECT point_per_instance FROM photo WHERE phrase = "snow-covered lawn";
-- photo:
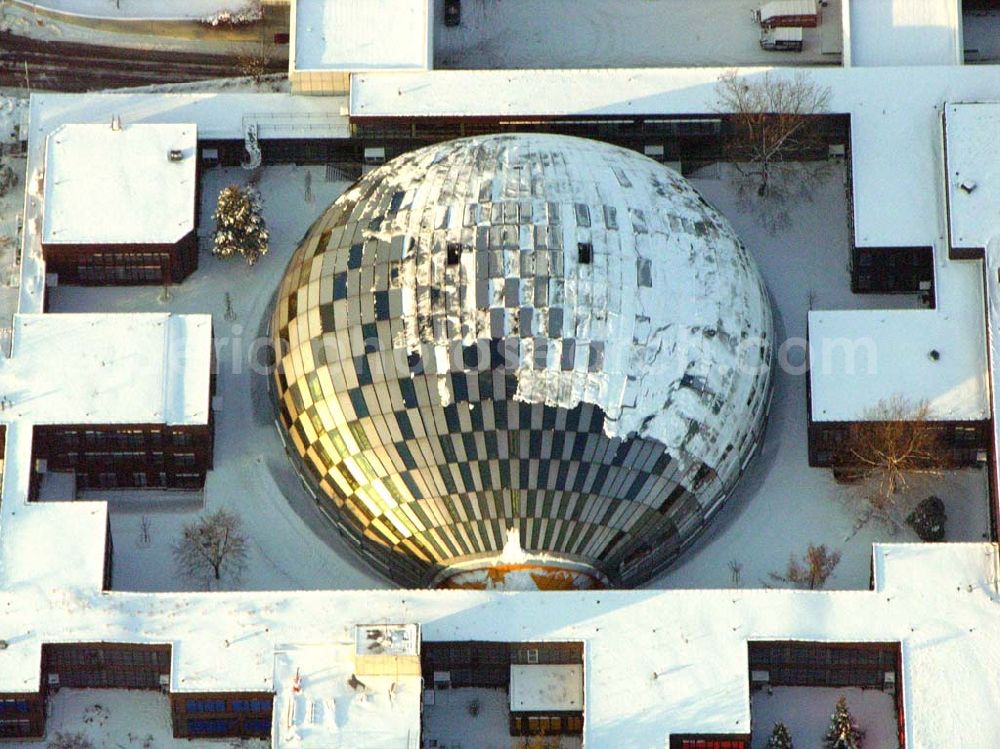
(121, 719)
(779, 507)
(619, 34)
(806, 712)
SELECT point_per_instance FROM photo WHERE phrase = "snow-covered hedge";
(248, 14)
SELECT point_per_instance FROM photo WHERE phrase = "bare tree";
(256, 63)
(212, 547)
(894, 445)
(813, 570)
(774, 142)
(735, 571)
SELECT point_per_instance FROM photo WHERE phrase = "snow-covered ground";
(13, 116)
(468, 717)
(121, 719)
(619, 34)
(53, 21)
(473, 717)
(804, 264)
(163, 10)
(11, 208)
(806, 712)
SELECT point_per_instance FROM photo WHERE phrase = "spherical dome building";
(522, 356)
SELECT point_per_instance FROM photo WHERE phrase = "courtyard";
(804, 264)
(806, 712)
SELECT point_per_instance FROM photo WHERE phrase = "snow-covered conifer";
(780, 738)
(240, 227)
(843, 732)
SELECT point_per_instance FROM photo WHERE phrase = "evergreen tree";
(780, 737)
(240, 228)
(843, 732)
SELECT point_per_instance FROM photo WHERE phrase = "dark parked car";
(452, 12)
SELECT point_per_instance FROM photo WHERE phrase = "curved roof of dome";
(612, 281)
(534, 332)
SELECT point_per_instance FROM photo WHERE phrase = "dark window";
(13, 706)
(182, 439)
(585, 251)
(257, 725)
(252, 706)
(454, 253)
(205, 706)
(216, 727)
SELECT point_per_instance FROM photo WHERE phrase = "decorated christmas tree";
(780, 738)
(240, 228)
(843, 732)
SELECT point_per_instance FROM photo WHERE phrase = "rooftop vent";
(584, 252)
(175, 154)
(967, 186)
(116, 122)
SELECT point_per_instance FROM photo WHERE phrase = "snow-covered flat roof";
(546, 687)
(329, 705)
(55, 546)
(684, 668)
(973, 173)
(860, 357)
(906, 32)
(350, 35)
(108, 369)
(133, 184)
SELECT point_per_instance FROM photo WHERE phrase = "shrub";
(928, 519)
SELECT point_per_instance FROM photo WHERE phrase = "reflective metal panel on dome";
(522, 358)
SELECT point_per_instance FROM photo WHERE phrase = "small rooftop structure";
(108, 369)
(355, 35)
(546, 688)
(386, 639)
(860, 357)
(120, 184)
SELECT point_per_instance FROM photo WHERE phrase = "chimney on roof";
(116, 122)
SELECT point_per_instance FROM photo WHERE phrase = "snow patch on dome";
(607, 278)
